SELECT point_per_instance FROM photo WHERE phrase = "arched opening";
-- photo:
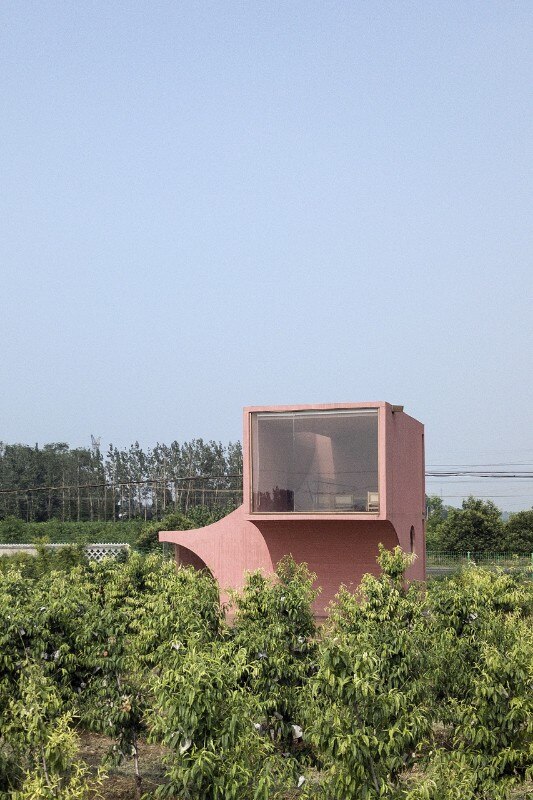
(188, 558)
(412, 538)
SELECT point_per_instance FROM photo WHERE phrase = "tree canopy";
(519, 532)
(476, 526)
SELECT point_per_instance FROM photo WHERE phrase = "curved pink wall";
(338, 551)
(339, 548)
(229, 548)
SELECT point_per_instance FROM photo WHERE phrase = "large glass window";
(315, 461)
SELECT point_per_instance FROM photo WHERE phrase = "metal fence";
(448, 562)
(436, 562)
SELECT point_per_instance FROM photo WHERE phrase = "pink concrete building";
(325, 484)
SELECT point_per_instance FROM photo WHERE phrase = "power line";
(499, 464)
(431, 475)
(488, 495)
(464, 479)
(479, 474)
(121, 484)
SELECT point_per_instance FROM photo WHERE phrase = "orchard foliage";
(369, 708)
(406, 692)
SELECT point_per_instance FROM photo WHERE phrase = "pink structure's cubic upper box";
(324, 483)
(352, 460)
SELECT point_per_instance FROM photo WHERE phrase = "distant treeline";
(477, 527)
(84, 484)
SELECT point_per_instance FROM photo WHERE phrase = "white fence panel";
(96, 552)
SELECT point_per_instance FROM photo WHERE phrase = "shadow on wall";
(188, 558)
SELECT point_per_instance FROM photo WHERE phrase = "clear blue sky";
(205, 205)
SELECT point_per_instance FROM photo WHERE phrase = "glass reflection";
(323, 461)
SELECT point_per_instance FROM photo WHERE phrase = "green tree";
(275, 628)
(476, 527)
(12, 530)
(368, 710)
(148, 538)
(210, 725)
(226, 705)
(436, 514)
(39, 733)
(481, 649)
(518, 533)
(115, 696)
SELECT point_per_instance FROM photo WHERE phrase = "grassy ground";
(120, 783)
(524, 792)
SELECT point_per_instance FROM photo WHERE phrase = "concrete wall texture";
(339, 547)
